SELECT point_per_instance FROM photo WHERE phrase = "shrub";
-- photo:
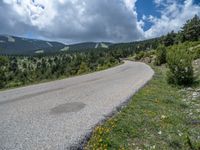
(197, 53)
(140, 55)
(83, 68)
(3, 70)
(160, 55)
(179, 62)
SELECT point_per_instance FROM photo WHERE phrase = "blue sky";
(146, 7)
(72, 21)
(149, 7)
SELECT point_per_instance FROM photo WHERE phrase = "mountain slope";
(89, 45)
(11, 45)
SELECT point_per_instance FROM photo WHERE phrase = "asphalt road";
(58, 115)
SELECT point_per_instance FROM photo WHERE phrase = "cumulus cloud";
(72, 20)
(173, 15)
(91, 20)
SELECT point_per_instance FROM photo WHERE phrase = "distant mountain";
(12, 45)
(89, 45)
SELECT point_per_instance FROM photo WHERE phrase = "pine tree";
(83, 68)
(191, 30)
(169, 39)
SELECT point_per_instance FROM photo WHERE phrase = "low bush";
(140, 55)
(160, 55)
(179, 62)
(3, 68)
(197, 53)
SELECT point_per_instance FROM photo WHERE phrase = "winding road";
(58, 115)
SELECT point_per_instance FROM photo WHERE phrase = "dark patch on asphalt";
(124, 69)
(67, 108)
(92, 80)
(42, 92)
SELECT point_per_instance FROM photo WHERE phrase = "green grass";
(157, 117)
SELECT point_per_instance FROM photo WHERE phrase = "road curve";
(57, 115)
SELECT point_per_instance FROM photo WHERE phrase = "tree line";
(22, 70)
(178, 51)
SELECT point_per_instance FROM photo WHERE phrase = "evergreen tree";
(191, 30)
(169, 39)
(179, 61)
(83, 68)
(160, 55)
(3, 70)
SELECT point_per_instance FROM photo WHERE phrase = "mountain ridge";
(14, 45)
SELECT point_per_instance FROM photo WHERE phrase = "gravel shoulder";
(59, 114)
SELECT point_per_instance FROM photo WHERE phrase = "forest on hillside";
(23, 70)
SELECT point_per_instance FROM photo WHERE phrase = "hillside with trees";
(22, 70)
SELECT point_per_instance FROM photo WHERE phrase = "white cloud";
(130, 4)
(173, 16)
(91, 20)
(38, 13)
(158, 2)
(74, 20)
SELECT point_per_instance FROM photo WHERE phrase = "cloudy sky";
(73, 21)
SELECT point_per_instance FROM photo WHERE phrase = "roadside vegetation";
(165, 114)
(157, 117)
(23, 70)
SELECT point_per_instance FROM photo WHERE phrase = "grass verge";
(157, 117)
